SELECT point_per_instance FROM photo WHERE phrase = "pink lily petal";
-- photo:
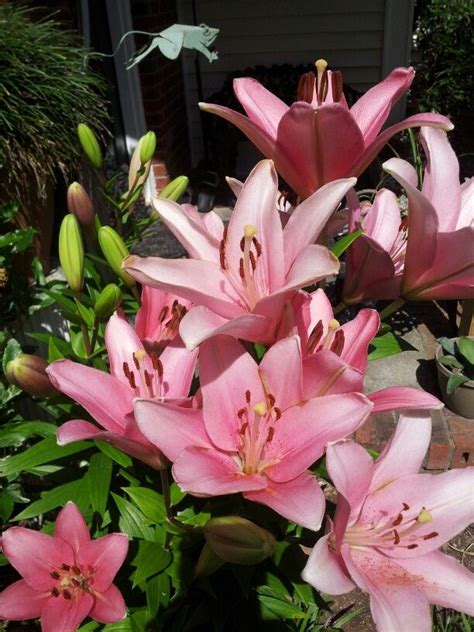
(358, 334)
(396, 602)
(200, 323)
(20, 601)
(372, 109)
(403, 398)
(382, 222)
(312, 264)
(234, 185)
(179, 365)
(71, 526)
(441, 177)
(406, 450)
(101, 394)
(309, 218)
(281, 372)
(227, 372)
(320, 309)
(254, 133)
(406, 170)
(417, 120)
(324, 373)
(214, 224)
(301, 439)
(446, 582)
(300, 500)
(109, 606)
(201, 282)
(146, 320)
(325, 572)
(198, 242)
(106, 555)
(466, 215)
(61, 615)
(170, 428)
(121, 341)
(212, 473)
(35, 555)
(353, 483)
(262, 107)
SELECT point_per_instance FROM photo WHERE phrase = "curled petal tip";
(203, 106)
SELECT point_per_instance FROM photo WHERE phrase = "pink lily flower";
(108, 398)
(257, 433)
(242, 279)
(66, 577)
(389, 522)
(319, 139)
(430, 255)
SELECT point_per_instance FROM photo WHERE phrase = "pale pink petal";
(201, 282)
(179, 365)
(406, 450)
(35, 555)
(382, 222)
(209, 472)
(193, 236)
(104, 397)
(234, 185)
(227, 372)
(397, 603)
(281, 370)
(466, 216)
(406, 170)
(200, 323)
(109, 606)
(105, 555)
(403, 398)
(20, 601)
(351, 469)
(170, 428)
(262, 107)
(446, 582)
(300, 500)
(71, 526)
(301, 436)
(325, 373)
(441, 177)
(312, 264)
(309, 218)
(65, 615)
(372, 109)
(325, 572)
(121, 341)
(358, 334)
(214, 224)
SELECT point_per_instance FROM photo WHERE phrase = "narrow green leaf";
(132, 521)
(119, 457)
(52, 499)
(455, 380)
(157, 593)
(466, 349)
(150, 560)
(448, 345)
(259, 350)
(149, 502)
(100, 475)
(53, 352)
(6, 505)
(86, 314)
(450, 361)
(13, 435)
(343, 244)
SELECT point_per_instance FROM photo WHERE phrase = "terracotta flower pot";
(461, 401)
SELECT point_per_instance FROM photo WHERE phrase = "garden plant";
(188, 459)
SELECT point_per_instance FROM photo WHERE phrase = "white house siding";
(349, 34)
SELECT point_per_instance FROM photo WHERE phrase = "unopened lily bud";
(115, 251)
(90, 145)
(28, 372)
(80, 205)
(208, 562)
(108, 301)
(137, 171)
(147, 147)
(71, 252)
(175, 189)
(238, 540)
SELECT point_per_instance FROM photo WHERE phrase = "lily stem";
(393, 307)
(165, 487)
(84, 330)
(95, 333)
(340, 307)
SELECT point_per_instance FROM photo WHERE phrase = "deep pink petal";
(312, 264)
(20, 601)
(351, 469)
(35, 555)
(201, 282)
(109, 606)
(103, 396)
(325, 572)
(302, 434)
(262, 107)
(121, 341)
(65, 615)
(300, 500)
(403, 398)
(227, 372)
(170, 428)
(71, 526)
(325, 373)
(209, 472)
(309, 218)
(358, 334)
(320, 309)
(282, 372)
(105, 555)
(147, 318)
(372, 109)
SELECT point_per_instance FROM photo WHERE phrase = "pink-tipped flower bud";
(28, 372)
(238, 540)
(80, 205)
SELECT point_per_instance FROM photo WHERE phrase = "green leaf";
(158, 590)
(119, 457)
(455, 380)
(121, 626)
(86, 314)
(53, 352)
(44, 451)
(386, 345)
(132, 521)
(63, 346)
(450, 361)
(448, 345)
(466, 349)
(343, 244)
(12, 350)
(6, 505)
(100, 475)
(14, 434)
(277, 607)
(77, 344)
(52, 499)
(150, 560)
(176, 494)
(259, 350)
(149, 502)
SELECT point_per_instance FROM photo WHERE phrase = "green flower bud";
(208, 562)
(90, 145)
(115, 251)
(28, 372)
(147, 147)
(238, 540)
(175, 189)
(107, 302)
(71, 252)
(80, 205)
